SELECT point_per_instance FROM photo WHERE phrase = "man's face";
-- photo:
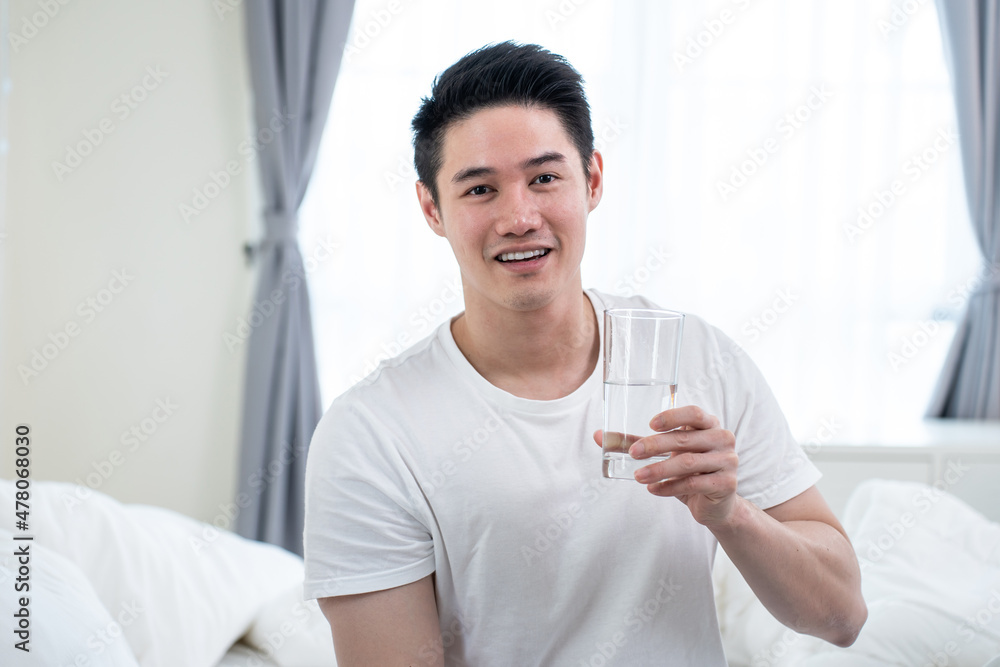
(512, 182)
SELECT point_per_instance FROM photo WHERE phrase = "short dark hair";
(500, 75)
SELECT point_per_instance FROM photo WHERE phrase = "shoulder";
(421, 362)
(697, 331)
(394, 384)
(620, 301)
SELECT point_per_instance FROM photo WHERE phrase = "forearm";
(804, 572)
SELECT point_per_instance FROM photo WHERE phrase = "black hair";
(499, 75)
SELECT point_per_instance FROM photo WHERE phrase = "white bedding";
(177, 591)
(65, 617)
(129, 585)
(242, 655)
(930, 576)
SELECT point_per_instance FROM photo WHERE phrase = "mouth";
(525, 256)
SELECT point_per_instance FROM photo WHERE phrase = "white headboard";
(957, 456)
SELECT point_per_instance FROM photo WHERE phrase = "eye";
(479, 190)
(545, 179)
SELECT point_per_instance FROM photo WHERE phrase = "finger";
(688, 464)
(689, 415)
(715, 485)
(613, 441)
(659, 444)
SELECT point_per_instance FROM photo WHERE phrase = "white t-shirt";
(424, 466)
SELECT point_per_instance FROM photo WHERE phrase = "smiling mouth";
(522, 256)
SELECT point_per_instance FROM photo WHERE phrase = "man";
(455, 509)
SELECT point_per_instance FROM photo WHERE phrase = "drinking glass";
(642, 350)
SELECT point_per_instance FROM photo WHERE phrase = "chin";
(530, 298)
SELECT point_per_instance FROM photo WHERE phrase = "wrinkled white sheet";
(193, 590)
(930, 576)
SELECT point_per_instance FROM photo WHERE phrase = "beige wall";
(108, 229)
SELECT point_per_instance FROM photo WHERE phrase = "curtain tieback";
(988, 280)
(281, 227)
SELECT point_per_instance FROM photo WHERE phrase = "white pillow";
(66, 619)
(293, 632)
(934, 563)
(242, 655)
(198, 587)
(937, 567)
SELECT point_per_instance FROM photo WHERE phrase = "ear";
(429, 209)
(595, 184)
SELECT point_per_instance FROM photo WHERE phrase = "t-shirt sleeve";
(773, 467)
(363, 525)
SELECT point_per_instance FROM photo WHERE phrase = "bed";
(129, 585)
(930, 575)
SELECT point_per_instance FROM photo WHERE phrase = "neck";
(540, 354)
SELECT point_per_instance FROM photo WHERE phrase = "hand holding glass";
(641, 357)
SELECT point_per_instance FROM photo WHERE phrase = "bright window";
(795, 162)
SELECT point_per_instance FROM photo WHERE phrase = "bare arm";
(390, 628)
(795, 556)
(800, 564)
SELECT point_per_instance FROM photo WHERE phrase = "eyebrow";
(530, 163)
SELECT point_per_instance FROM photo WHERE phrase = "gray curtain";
(295, 51)
(969, 387)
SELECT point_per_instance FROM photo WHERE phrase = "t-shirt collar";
(509, 401)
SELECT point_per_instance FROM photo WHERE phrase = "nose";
(518, 213)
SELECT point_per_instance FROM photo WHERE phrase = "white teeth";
(510, 256)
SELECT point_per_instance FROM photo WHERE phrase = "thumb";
(599, 437)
